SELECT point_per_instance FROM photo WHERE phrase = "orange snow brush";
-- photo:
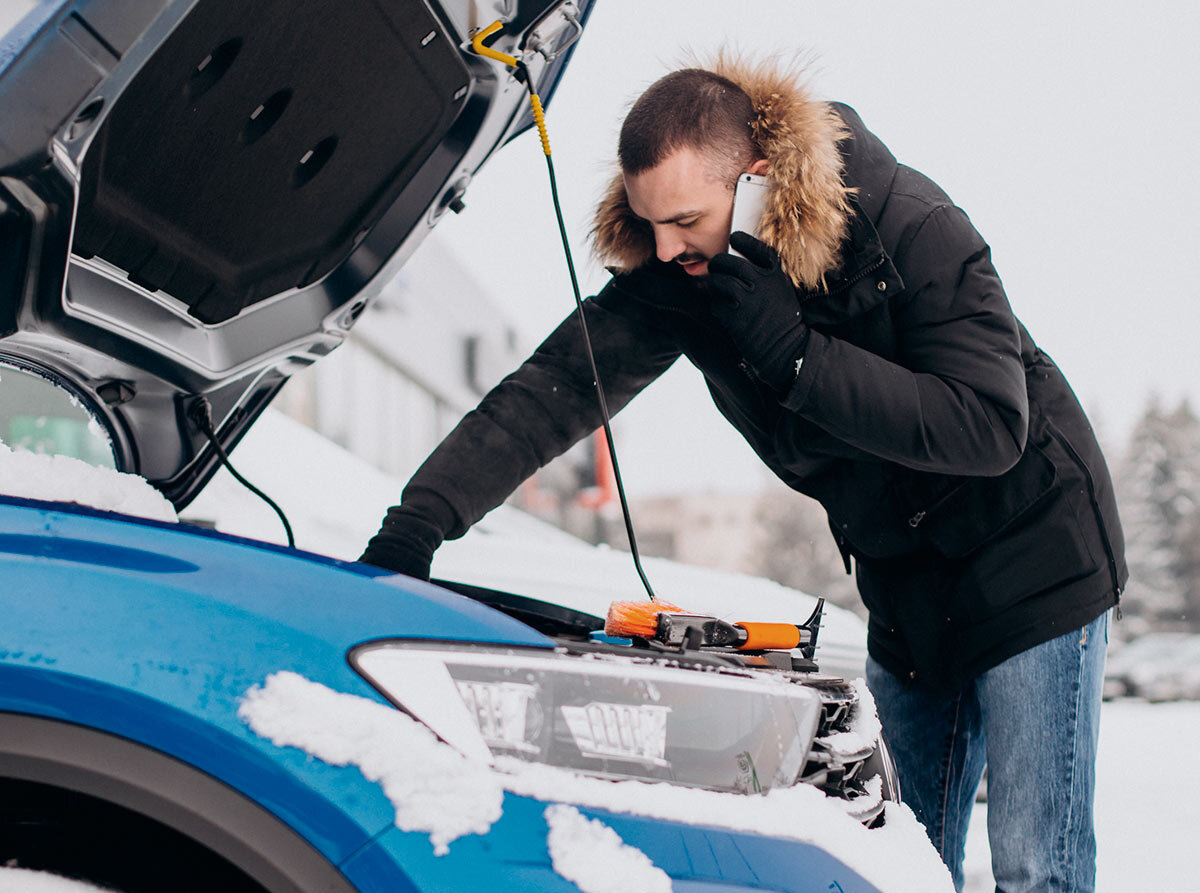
(671, 625)
(638, 619)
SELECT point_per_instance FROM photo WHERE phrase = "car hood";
(199, 197)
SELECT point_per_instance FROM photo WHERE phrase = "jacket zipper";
(915, 521)
(1104, 537)
(863, 273)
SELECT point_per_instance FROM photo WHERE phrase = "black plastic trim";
(546, 618)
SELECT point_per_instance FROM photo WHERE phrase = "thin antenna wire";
(535, 101)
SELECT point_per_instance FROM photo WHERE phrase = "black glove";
(405, 543)
(756, 303)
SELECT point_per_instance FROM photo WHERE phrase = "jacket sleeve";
(540, 411)
(954, 400)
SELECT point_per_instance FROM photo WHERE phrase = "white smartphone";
(749, 202)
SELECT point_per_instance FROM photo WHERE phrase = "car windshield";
(39, 416)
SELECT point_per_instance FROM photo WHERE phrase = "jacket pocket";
(984, 507)
(1014, 536)
(1045, 550)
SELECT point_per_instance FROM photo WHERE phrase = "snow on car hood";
(63, 479)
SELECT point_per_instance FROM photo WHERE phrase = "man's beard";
(682, 259)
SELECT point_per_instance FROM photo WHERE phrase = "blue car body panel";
(513, 856)
(153, 632)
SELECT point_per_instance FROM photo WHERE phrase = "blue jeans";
(1033, 721)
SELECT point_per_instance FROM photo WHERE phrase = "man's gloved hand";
(755, 300)
(405, 543)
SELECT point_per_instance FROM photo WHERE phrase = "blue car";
(198, 199)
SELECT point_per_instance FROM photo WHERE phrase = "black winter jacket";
(956, 466)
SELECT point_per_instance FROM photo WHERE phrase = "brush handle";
(667, 624)
(769, 636)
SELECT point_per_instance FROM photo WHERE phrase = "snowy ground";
(1147, 801)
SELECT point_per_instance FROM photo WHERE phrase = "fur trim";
(808, 207)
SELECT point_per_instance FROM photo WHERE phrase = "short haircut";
(690, 109)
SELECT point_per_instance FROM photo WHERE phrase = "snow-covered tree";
(1159, 492)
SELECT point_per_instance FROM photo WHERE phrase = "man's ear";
(759, 167)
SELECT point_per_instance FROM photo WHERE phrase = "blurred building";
(422, 355)
(718, 530)
(773, 533)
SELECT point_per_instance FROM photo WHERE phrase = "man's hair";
(690, 109)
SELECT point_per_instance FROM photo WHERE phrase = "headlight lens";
(612, 717)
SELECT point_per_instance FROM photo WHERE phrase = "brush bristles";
(639, 619)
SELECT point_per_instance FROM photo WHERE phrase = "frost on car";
(198, 199)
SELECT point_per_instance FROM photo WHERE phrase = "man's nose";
(668, 245)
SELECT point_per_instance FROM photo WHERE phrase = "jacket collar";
(865, 278)
(868, 166)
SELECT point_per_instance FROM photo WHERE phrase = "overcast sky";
(1069, 131)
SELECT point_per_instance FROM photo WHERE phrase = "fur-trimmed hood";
(808, 207)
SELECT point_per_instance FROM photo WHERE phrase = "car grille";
(838, 764)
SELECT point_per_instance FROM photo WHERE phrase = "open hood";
(199, 197)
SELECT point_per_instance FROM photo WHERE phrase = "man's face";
(687, 206)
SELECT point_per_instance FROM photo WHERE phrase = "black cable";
(201, 413)
(523, 75)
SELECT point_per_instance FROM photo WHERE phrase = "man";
(867, 352)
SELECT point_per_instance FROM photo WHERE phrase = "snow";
(593, 857)
(64, 479)
(1147, 796)
(1147, 807)
(386, 745)
(864, 724)
(446, 796)
(22, 880)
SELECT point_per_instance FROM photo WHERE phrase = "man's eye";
(686, 223)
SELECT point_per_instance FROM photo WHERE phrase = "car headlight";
(607, 716)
